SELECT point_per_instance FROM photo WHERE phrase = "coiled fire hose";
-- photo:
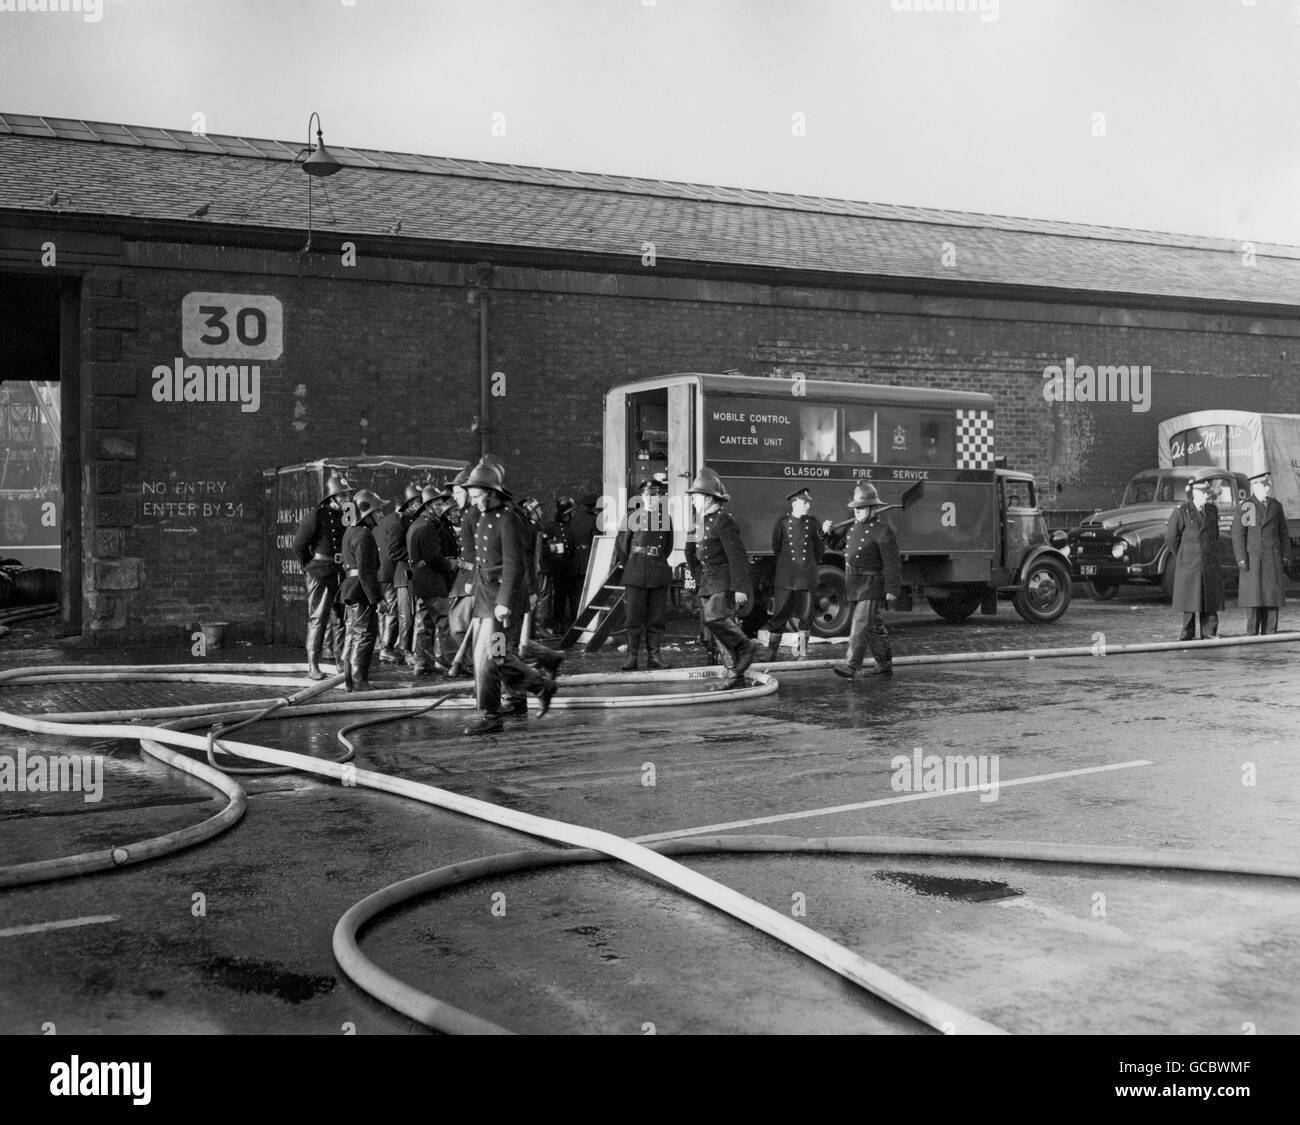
(593, 845)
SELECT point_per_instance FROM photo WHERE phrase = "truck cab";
(1126, 545)
(969, 533)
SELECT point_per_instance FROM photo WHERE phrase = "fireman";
(500, 601)
(558, 556)
(395, 641)
(361, 592)
(798, 549)
(873, 572)
(318, 545)
(460, 601)
(724, 585)
(643, 547)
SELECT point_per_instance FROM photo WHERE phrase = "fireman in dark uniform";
(559, 560)
(318, 545)
(798, 549)
(1192, 537)
(724, 584)
(1262, 547)
(396, 629)
(432, 548)
(361, 593)
(460, 600)
(873, 572)
(642, 548)
(500, 601)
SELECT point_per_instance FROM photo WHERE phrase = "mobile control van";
(968, 533)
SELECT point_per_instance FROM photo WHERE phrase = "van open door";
(681, 458)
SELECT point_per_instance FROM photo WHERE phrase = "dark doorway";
(38, 423)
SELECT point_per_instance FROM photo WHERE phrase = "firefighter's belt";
(651, 552)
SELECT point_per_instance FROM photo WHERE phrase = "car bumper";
(1112, 571)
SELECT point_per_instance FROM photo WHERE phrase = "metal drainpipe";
(482, 280)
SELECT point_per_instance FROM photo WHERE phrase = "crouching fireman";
(873, 573)
(724, 572)
(361, 593)
(500, 601)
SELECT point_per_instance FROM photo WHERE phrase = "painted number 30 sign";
(232, 326)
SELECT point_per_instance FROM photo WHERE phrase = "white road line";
(830, 810)
(62, 924)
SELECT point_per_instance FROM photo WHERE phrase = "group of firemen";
(455, 569)
(443, 581)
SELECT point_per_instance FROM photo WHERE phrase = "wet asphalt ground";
(234, 936)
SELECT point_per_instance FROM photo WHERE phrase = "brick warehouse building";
(425, 276)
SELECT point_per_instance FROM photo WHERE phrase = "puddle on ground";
(243, 974)
(959, 890)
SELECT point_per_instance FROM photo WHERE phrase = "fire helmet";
(367, 503)
(487, 475)
(411, 495)
(866, 496)
(710, 484)
(337, 485)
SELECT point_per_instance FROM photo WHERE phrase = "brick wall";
(384, 359)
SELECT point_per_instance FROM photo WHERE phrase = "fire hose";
(591, 845)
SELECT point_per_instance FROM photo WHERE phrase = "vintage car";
(1127, 544)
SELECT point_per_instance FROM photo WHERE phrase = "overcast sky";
(992, 111)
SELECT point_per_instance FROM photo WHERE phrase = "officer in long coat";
(318, 545)
(798, 549)
(500, 601)
(396, 643)
(1192, 537)
(724, 585)
(642, 548)
(360, 592)
(432, 548)
(1262, 546)
(873, 574)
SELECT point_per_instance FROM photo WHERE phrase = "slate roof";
(131, 171)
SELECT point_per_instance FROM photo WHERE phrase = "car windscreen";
(1142, 490)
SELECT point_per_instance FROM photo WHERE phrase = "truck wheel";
(1044, 591)
(958, 605)
(1167, 581)
(831, 610)
(1101, 591)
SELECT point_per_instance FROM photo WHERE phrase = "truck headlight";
(1120, 549)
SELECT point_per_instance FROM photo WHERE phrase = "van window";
(1018, 493)
(1170, 490)
(860, 435)
(817, 433)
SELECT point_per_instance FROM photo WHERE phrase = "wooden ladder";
(602, 598)
(600, 616)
